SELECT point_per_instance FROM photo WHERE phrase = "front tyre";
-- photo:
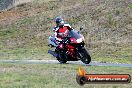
(84, 56)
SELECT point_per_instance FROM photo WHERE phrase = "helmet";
(59, 21)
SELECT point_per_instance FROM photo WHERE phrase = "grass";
(25, 53)
(19, 44)
(122, 55)
(41, 1)
(130, 5)
(26, 37)
(55, 75)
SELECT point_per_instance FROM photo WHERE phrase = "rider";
(59, 30)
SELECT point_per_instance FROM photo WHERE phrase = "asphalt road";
(93, 63)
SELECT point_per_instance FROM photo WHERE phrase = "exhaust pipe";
(52, 53)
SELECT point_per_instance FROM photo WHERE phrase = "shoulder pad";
(67, 25)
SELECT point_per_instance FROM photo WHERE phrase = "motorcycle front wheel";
(84, 56)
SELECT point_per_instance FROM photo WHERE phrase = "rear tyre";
(84, 56)
(61, 58)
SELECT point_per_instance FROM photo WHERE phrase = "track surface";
(93, 63)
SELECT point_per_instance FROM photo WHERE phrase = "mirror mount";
(81, 28)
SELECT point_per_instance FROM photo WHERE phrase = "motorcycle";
(71, 48)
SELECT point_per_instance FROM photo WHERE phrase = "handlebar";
(65, 39)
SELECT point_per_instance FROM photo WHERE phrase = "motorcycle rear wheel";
(61, 58)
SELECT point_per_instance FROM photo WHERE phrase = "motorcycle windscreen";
(74, 34)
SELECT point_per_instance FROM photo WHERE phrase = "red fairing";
(71, 50)
(70, 47)
(73, 40)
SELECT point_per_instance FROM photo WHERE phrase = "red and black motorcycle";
(71, 49)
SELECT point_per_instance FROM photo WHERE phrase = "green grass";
(41, 1)
(53, 76)
(9, 33)
(122, 55)
(130, 5)
(20, 44)
(25, 53)
(26, 38)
